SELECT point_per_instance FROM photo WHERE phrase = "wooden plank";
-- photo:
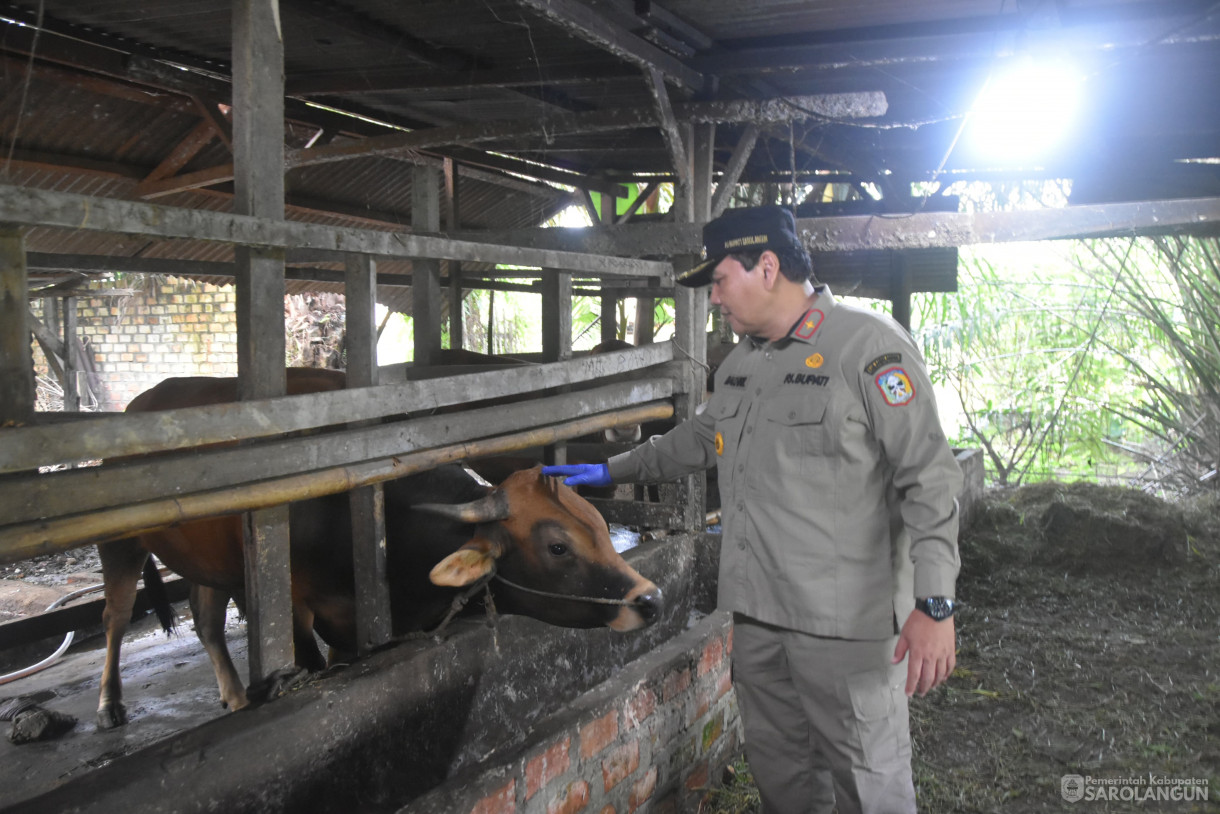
(31, 497)
(33, 207)
(120, 435)
(16, 359)
(24, 540)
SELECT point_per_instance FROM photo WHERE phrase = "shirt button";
(741, 467)
(792, 414)
(758, 391)
(741, 507)
(742, 545)
(749, 430)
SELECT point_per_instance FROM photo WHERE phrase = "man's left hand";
(930, 645)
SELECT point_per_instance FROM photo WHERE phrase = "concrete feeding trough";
(515, 715)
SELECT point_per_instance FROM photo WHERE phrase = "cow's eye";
(557, 549)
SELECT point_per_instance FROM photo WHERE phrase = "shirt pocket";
(797, 429)
(728, 416)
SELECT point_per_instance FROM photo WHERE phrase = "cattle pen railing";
(152, 470)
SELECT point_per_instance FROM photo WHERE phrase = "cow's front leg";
(209, 606)
(122, 562)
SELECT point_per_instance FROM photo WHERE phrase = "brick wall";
(654, 738)
(171, 327)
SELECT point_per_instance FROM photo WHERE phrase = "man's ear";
(768, 264)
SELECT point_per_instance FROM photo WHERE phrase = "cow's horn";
(493, 506)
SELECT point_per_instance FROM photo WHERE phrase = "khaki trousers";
(826, 721)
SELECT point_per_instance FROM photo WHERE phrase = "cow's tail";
(158, 597)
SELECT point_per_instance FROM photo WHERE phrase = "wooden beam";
(57, 494)
(221, 127)
(599, 121)
(640, 200)
(732, 170)
(584, 23)
(392, 78)
(71, 389)
(16, 359)
(919, 230)
(425, 271)
(25, 540)
(258, 156)
(34, 207)
(678, 155)
(129, 434)
(367, 502)
(179, 157)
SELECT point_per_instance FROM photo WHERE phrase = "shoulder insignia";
(884, 359)
(809, 324)
(895, 386)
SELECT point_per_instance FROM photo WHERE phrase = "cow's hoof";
(111, 716)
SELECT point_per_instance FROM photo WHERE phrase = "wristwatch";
(938, 607)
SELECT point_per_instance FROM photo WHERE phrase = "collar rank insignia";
(809, 324)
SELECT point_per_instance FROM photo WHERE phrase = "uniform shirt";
(838, 488)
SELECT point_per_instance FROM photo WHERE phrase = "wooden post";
(426, 273)
(557, 333)
(16, 358)
(609, 320)
(373, 622)
(690, 327)
(900, 290)
(258, 157)
(454, 267)
(71, 387)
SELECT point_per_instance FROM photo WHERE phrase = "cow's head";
(539, 535)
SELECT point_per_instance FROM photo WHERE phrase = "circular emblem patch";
(719, 444)
(814, 361)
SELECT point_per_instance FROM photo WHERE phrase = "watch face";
(937, 607)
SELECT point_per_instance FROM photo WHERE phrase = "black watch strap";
(938, 607)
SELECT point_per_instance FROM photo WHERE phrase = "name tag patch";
(895, 386)
(735, 381)
(882, 360)
(807, 378)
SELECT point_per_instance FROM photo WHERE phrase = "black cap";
(749, 229)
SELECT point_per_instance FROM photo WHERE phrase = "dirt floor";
(1089, 644)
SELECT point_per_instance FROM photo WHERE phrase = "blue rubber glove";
(580, 474)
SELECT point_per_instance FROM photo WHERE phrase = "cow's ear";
(468, 564)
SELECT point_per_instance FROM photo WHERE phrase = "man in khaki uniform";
(840, 519)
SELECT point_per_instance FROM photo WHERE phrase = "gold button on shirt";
(837, 484)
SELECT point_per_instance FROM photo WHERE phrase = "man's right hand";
(580, 474)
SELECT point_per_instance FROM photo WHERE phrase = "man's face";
(738, 292)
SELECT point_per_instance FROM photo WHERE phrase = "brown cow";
(444, 529)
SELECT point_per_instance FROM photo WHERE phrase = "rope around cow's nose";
(460, 600)
(571, 597)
